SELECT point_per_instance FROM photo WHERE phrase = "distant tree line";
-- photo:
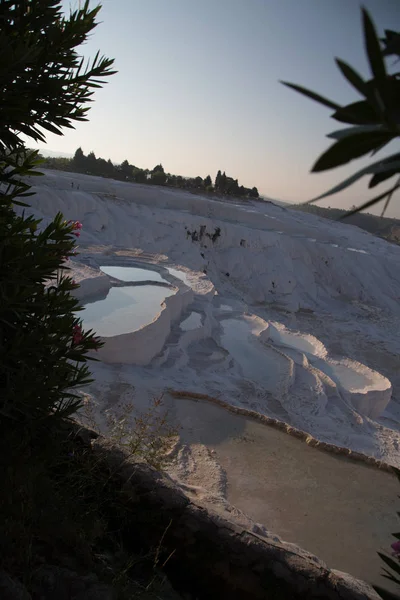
(91, 165)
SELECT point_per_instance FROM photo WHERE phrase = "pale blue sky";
(198, 88)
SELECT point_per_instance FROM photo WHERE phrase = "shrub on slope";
(44, 88)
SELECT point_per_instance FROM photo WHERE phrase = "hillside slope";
(385, 227)
(271, 254)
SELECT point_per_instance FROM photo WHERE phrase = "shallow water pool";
(181, 275)
(258, 362)
(133, 274)
(125, 309)
(350, 379)
(298, 342)
(290, 487)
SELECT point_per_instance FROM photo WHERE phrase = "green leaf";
(312, 95)
(378, 148)
(380, 166)
(347, 131)
(370, 202)
(352, 77)
(33, 173)
(388, 199)
(349, 148)
(51, 128)
(380, 177)
(373, 47)
(357, 113)
(393, 564)
(388, 575)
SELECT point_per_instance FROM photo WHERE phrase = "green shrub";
(43, 350)
(56, 497)
(145, 435)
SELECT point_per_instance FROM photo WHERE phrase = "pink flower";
(77, 335)
(396, 547)
(76, 226)
(77, 233)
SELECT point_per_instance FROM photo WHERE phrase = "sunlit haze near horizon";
(198, 89)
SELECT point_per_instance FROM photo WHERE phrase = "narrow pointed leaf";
(378, 148)
(312, 95)
(388, 199)
(349, 148)
(391, 563)
(342, 133)
(373, 47)
(388, 575)
(369, 203)
(357, 113)
(381, 166)
(352, 77)
(380, 177)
